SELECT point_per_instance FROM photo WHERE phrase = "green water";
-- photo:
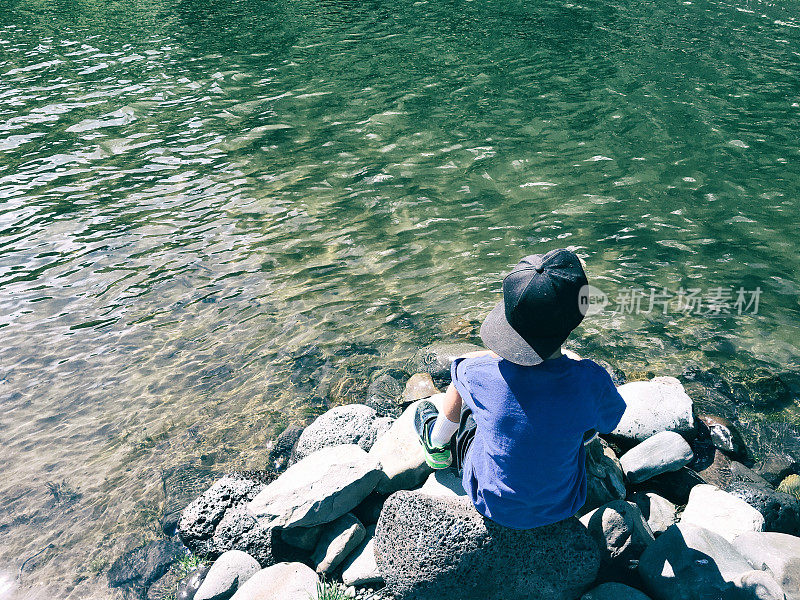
(216, 216)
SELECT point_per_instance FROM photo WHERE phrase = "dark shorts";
(463, 440)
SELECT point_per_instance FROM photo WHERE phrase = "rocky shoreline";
(677, 508)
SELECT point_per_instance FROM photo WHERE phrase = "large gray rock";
(437, 358)
(400, 454)
(199, 520)
(614, 591)
(659, 512)
(778, 552)
(432, 547)
(361, 568)
(284, 581)
(238, 530)
(620, 531)
(318, 489)
(688, 562)
(605, 481)
(338, 540)
(144, 565)
(660, 404)
(721, 512)
(227, 574)
(781, 511)
(351, 424)
(664, 452)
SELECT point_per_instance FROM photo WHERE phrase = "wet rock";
(287, 581)
(338, 540)
(790, 485)
(781, 511)
(181, 485)
(361, 568)
(719, 472)
(659, 512)
(444, 482)
(227, 574)
(768, 390)
(660, 404)
(419, 386)
(199, 520)
(605, 481)
(370, 509)
(778, 552)
(141, 567)
(400, 454)
(384, 392)
(664, 452)
(741, 473)
(776, 467)
(434, 547)
(305, 538)
(720, 512)
(724, 435)
(351, 424)
(318, 489)
(614, 591)
(621, 533)
(756, 585)
(165, 586)
(688, 562)
(188, 586)
(437, 358)
(280, 453)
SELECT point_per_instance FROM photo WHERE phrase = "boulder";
(227, 574)
(142, 566)
(721, 512)
(718, 471)
(687, 562)
(437, 358)
(444, 482)
(305, 538)
(781, 511)
(350, 424)
(199, 520)
(659, 512)
(338, 540)
(419, 386)
(432, 547)
(778, 552)
(318, 489)
(181, 485)
(360, 568)
(287, 581)
(621, 533)
(776, 467)
(660, 404)
(614, 591)
(400, 454)
(280, 452)
(605, 481)
(756, 585)
(238, 530)
(664, 452)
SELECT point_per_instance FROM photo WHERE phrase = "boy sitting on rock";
(520, 412)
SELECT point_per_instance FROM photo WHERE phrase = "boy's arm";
(452, 404)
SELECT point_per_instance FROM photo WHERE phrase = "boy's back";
(525, 467)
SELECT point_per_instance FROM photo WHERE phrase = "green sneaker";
(424, 418)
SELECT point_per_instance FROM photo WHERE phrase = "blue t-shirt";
(525, 467)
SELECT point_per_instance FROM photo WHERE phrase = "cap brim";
(499, 336)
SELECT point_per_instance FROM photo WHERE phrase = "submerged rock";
(280, 453)
(434, 547)
(660, 404)
(384, 392)
(141, 567)
(318, 489)
(437, 358)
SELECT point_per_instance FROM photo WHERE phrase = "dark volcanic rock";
(781, 511)
(349, 424)
(181, 485)
(238, 530)
(281, 451)
(433, 547)
(776, 467)
(206, 527)
(142, 566)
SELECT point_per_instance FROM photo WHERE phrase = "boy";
(521, 410)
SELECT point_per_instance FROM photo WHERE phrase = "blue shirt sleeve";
(610, 407)
(460, 381)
